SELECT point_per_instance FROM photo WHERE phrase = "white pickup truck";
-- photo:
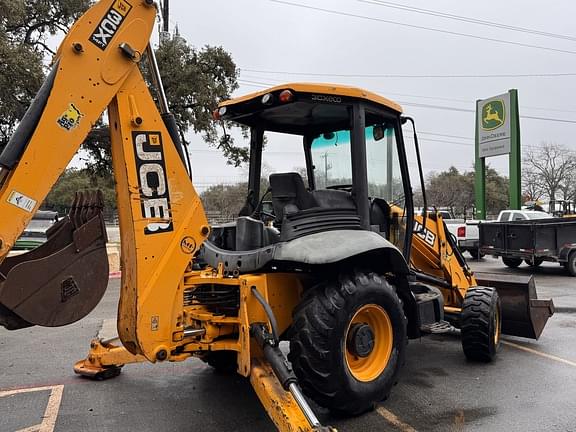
(466, 234)
(519, 215)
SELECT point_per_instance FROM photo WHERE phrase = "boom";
(161, 217)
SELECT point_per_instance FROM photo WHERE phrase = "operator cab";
(356, 175)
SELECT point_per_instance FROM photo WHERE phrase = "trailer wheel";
(481, 323)
(349, 342)
(512, 262)
(571, 263)
(537, 262)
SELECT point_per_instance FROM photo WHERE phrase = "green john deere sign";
(493, 115)
(493, 125)
(497, 133)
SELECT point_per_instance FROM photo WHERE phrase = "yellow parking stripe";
(541, 354)
(394, 421)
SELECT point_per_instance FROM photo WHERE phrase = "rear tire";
(571, 263)
(512, 262)
(223, 362)
(349, 342)
(481, 324)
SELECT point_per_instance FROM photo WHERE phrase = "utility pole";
(165, 30)
(327, 166)
(166, 16)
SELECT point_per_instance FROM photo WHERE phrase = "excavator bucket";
(62, 280)
(523, 314)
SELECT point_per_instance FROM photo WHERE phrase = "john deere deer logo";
(493, 115)
(70, 118)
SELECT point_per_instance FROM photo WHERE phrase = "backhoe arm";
(161, 219)
(86, 75)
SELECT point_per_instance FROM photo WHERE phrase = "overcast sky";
(272, 42)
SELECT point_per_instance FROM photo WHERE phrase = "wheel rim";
(368, 367)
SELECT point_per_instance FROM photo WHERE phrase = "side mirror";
(378, 132)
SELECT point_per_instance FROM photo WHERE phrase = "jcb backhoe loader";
(343, 270)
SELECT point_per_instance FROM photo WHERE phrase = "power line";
(357, 75)
(447, 136)
(467, 19)
(429, 106)
(467, 101)
(449, 32)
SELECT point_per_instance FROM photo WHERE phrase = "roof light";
(267, 99)
(286, 96)
(218, 113)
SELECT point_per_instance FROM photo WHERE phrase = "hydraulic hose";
(269, 314)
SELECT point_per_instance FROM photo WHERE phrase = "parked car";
(520, 215)
(35, 233)
(467, 237)
(464, 231)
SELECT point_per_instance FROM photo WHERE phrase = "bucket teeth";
(62, 280)
(86, 205)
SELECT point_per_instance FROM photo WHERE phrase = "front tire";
(481, 324)
(349, 342)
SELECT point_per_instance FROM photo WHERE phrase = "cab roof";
(313, 108)
(327, 89)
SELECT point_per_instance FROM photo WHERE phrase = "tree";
(553, 168)
(223, 202)
(195, 79)
(532, 189)
(497, 190)
(24, 28)
(450, 189)
(72, 180)
(455, 190)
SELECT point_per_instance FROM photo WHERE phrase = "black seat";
(299, 212)
(289, 195)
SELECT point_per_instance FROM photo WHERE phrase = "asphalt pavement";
(529, 387)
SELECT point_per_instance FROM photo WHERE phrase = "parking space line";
(30, 429)
(541, 354)
(394, 421)
(51, 413)
(52, 408)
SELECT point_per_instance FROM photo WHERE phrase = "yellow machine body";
(163, 227)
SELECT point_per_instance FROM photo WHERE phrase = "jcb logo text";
(425, 234)
(110, 24)
(155, 196)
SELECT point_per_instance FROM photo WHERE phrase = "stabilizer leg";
(105, 360)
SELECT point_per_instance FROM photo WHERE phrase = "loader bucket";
(523, 314)
(62, 280)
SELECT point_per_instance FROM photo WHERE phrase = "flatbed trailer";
(532, 241)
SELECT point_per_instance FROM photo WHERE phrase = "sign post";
(497, 133)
